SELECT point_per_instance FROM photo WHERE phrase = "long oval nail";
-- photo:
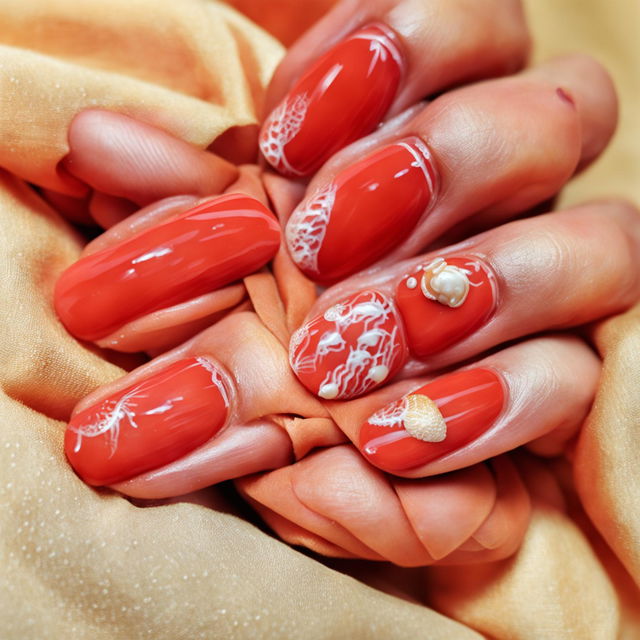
(367, 210)
(353, 347)
(338, 355)
(191, 254)
(342, 97)
(149, 424)
(434, 420)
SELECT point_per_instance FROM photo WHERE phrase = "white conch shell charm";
(423, 420)
(445, 283)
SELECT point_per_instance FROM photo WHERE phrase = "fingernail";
(354, 346)
(342, 97)
(432, 421)
(366, 211)
(444, 300)
(186, 256)
(149, 424)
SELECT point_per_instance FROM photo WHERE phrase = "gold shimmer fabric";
(79, 563)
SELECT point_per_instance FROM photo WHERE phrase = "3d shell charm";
(445, 283)
(423, 420)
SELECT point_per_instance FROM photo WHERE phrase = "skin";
(492, 169)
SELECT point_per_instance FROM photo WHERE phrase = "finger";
(164, 328)
(158, 268)
(123, 157)
(237, 451)
(365, 60)
(502, 532)
(203, 413)
(554, 271)
(420, 428)
(334, 503)
(74, 209)
(493, 149)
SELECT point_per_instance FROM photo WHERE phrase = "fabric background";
(84, 564)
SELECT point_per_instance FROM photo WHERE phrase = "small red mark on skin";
(566, 97)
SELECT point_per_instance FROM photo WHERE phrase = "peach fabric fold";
(80, 563)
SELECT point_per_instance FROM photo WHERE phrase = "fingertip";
(446, 510)
(591, 88)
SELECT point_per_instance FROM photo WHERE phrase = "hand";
(478, 165)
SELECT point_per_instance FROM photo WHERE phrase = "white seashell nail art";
(418, 414)
(445, 283)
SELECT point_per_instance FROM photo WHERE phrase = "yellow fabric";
(608, 32)
(76, 563)
(194, 68)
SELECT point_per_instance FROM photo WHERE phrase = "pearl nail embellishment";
(442, 300)
(444, 283)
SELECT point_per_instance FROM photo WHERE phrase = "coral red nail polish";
(434, 420)
(353, 347)
(444, 300)
(149, 424)
(188, 255)
(342, 97)
(366, 211)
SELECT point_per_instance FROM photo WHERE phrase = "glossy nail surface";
(354, 346)
(342, 97)
(434, 420)
(445, 300)
(366, 211)
(191, 254)
(149, 424)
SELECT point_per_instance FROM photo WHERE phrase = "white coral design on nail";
(108, 420)
(422, 158)
(111, 413)
(366, 363)
(307, 228)
(283, 126)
